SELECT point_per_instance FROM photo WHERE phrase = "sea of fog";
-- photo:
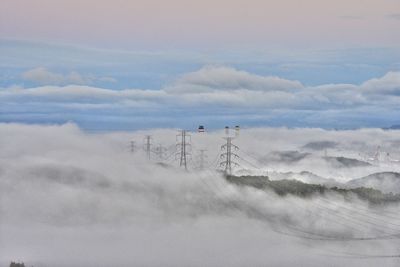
(71, 198)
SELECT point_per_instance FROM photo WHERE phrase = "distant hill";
(343, 162)
(384, 181)
(320, 145)
(294, 156)
(305, 177)
(393, 127)
(289, 156)
(293, 187)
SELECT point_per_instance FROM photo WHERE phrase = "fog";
(71, 198)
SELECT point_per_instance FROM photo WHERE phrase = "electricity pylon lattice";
(228, 156)
(161, 152)
(147, 146)
(183, 148)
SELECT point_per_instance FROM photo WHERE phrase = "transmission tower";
(147, 146)
(228, 156)
(377, 155)
(160, 152)
(183, 146)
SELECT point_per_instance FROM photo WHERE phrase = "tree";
(17, 264)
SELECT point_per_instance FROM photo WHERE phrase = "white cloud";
(78, 199)
(388, 84)
(220, 86)
(43, 76)
(221, 90)
(212, 78)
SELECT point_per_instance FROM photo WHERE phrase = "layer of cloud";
(69, 198)
(224, 86)
(43, 76)
(152, 69)
(216, 90)
(209, 79)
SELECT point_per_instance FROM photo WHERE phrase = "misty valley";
(289, 197)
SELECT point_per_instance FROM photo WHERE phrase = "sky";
(118, 65)
(125, 23)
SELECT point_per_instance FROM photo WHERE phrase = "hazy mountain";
(298, 188)
(320, 145)
(289, 156)
(343, 162)
(384, 181)
(305, 177)
(393, 127)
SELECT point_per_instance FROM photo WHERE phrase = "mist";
(72, 198)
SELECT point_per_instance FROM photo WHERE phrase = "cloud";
(213, 92)
(213, 78)
(43, 76)
(107, 79)
(152, 70)
(228, 86)
(79, 199)
(388, 84)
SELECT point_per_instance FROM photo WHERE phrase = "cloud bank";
(74, 199)
(42, 76)
(212, 90)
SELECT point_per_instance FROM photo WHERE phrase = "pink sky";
(218, 23)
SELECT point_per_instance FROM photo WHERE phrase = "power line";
(147, 146)
(161, 151)
(228, 162)
(228, 156)
(362, 214)
(183, 146)
(313, 235)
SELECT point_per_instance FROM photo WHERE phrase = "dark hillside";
(294, 187)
